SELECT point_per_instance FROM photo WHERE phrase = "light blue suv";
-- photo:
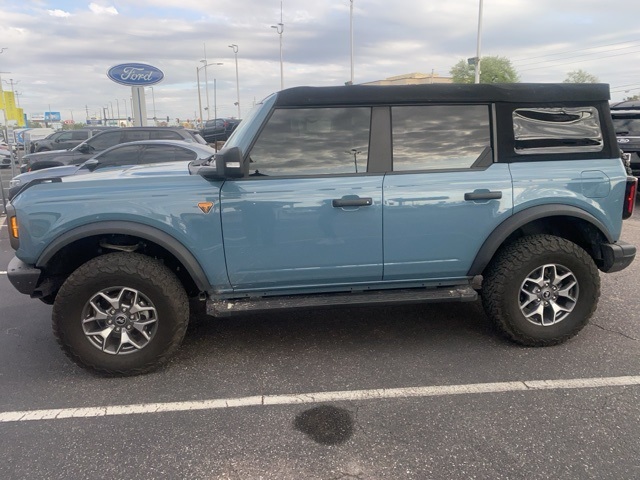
(355, 195)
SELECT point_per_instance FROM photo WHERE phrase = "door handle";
(352, 202)
(482, 195)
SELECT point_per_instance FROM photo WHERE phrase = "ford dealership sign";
(135, 74)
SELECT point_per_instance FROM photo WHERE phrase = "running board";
(229, 307)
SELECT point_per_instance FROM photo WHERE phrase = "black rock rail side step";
(223, 308)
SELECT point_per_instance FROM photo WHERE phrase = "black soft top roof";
(449, 93)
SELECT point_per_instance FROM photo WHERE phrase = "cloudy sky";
(58, 51)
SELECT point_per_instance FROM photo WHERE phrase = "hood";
(45, 173)
(33, 157)
(151, 170)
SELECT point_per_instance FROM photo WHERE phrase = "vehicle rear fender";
(529, 216)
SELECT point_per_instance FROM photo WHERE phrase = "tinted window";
(165, 153)
(65, 136)
(104, 140)
(164, 135)
(439, 136)
(557, 130)
(79, 135)
(627, 125)
(125, 155)
(313, 141)
(135, 135)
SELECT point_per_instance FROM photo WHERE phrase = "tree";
(492, 70)
(580, 76)
(632, 98)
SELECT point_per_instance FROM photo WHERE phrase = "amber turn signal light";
(14, 227)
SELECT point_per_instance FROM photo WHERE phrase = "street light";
(126, 112)
(234, 47)
(280, 28)
(153, 99)
(118, 109)
(477, 77)
(351, 37)
(206, 88)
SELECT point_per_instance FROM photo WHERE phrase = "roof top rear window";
(557, 130)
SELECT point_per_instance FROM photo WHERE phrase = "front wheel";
(541, 290)
(120, 314)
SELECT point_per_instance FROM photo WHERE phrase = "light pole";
(118, 110)
(126, 112)
(280, 28)
(153, 100)
(477, 78)
(112, 116)
(206, 88)
(234, 47)
(351, 37)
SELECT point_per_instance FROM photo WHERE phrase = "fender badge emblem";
(205, 206)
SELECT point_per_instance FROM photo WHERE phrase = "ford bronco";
(327, 196)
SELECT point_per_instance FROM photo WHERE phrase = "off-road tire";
(131, 270)
(503, 278)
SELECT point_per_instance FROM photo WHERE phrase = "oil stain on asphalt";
(325, 424)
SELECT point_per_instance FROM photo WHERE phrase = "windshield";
(627, 125)
(243, 134)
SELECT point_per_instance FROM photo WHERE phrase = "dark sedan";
(132, 153)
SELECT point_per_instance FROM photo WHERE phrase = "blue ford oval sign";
(135, 74)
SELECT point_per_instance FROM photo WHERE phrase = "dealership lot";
(416, 392)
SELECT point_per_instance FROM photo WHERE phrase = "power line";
(572, 51)
(579, 61)
(582, 55)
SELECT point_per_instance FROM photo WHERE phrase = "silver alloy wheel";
(119, 320)
(548, 294)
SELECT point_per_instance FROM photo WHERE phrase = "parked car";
(219, 129)
(340, 196)
(104, 140)
(626, 120)
(6, 155)
(64, 140)
(126, 154)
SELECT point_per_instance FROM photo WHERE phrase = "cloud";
(58, 13)
(100, 10)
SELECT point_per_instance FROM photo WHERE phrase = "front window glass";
(125, 155)
(436, 137)
(313, 141)
(557, 130)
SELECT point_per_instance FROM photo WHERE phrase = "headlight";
(14, 182)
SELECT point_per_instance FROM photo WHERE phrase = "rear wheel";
(121, 314)
(541, 290)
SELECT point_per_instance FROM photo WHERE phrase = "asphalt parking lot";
(398, 392)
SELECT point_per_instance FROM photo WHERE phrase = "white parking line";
(317, 397)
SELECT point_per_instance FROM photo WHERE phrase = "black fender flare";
(511, 224)
(166, 241)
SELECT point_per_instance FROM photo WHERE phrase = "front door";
(309, 214)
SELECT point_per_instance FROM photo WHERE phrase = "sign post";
(137, 76)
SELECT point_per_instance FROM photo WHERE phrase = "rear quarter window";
(557, 130)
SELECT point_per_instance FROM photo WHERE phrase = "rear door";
(445, 194)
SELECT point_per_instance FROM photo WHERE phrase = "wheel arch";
(162, 245)
(564, 221)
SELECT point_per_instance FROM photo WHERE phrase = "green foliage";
(580, 76)
(492, 70)
(73, 126)
(632, 98)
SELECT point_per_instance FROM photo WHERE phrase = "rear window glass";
(557, 130)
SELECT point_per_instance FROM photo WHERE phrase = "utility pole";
(351, 37)
(477, 77)
(234, 47)
(279, 29)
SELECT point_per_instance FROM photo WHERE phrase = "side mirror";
(228, 164)
(84, 148)
(91, 165)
